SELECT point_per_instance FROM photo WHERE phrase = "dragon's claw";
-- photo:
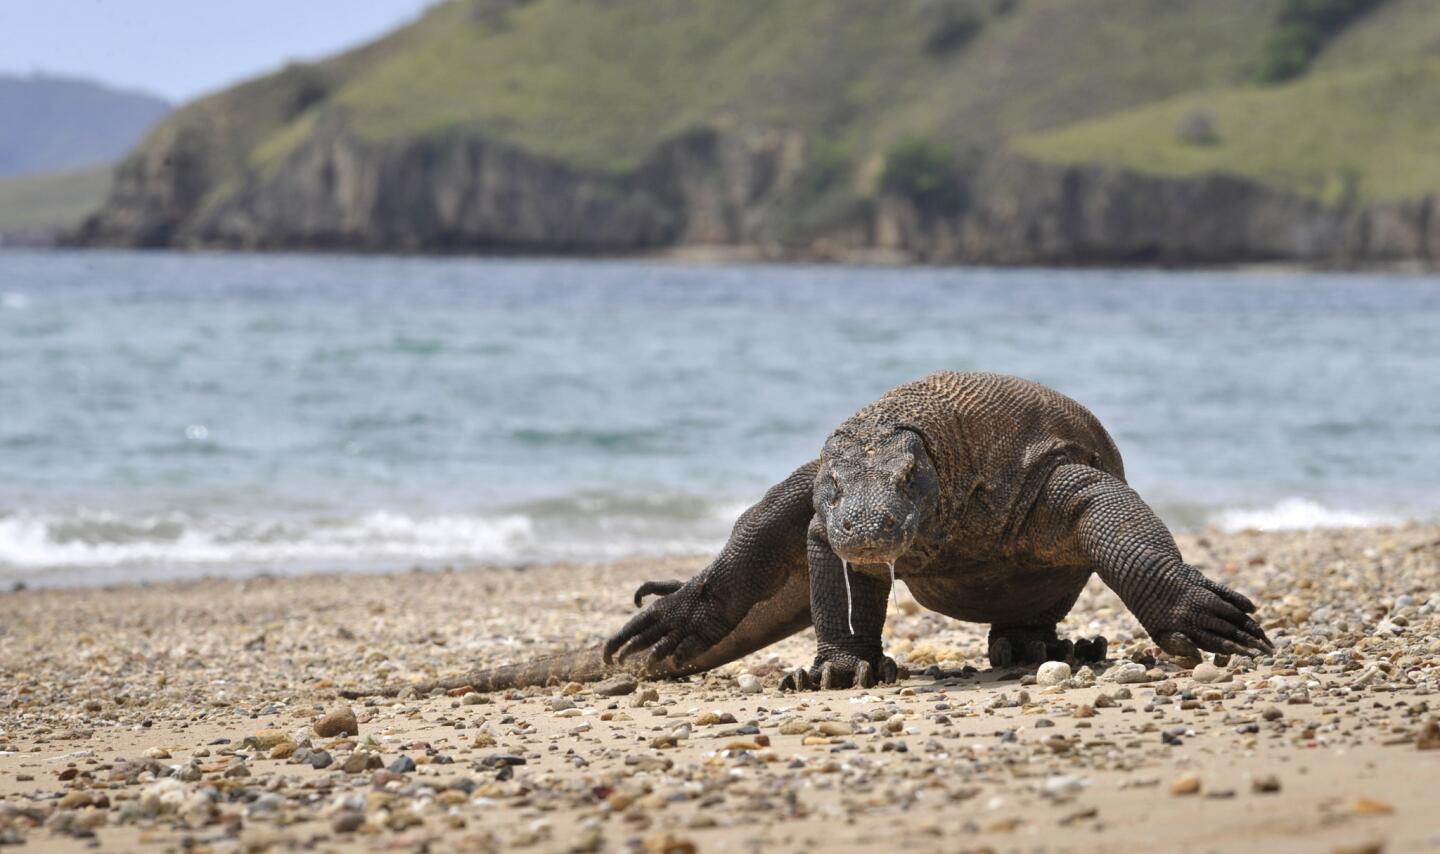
(843, 671)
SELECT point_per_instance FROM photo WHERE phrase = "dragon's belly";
(1000, 593)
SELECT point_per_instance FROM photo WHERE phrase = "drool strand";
(849, 603)
(894, 591)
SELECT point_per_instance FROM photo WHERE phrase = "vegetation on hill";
(51, 202)
(600, 85)
(1358, 134)
(1305, 27)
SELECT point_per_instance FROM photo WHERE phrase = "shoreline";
(707, 255)
(114, 700)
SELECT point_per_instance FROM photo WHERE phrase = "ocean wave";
(91, 546)
(1294, 513)
(33, 541)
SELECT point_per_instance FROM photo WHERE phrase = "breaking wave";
(1293, 514)
(89, 546)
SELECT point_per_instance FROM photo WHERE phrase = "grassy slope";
(1364, 123)
(599, 84)
(1372, 131)
(54, 200)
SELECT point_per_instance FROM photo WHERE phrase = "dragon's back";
(995, 440)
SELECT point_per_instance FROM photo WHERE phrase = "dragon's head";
(875, 488)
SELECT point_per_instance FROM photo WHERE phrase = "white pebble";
(1052, 673)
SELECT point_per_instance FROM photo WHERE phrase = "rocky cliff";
(462, 193)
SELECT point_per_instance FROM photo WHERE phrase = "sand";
(145, 717)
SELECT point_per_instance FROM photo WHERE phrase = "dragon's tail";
(582, 666)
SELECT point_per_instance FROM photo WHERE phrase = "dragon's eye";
(906, 469)
(835, 490)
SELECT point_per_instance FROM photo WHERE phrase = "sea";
(174, 415)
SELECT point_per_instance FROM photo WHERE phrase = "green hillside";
(599, 85)
(52, 201)
(1370, 133)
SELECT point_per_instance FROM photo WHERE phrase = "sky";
(182, 48)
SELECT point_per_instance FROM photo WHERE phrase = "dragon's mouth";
(871, 556)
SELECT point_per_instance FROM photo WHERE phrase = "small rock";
(795, 726)
(239, 769)
(1370, 806)
(1127, 673)
(319, 760)
(474, 699)
(835, 728)
(1429, 736)
(1265, 784)
(1052, 673)
(619, 685)
(403, 765)
(340, 721)
(560, 704)
(348, 821)
(649, 695)
(283, 750)
(748, 683)
(1187, 784)
(1206, 672)
(361, 761)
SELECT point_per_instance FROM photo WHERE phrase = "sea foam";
(1294, 513)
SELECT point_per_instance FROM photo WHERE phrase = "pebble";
(1128, 673)
(1265, 784)
(1186, 784)
(1206, 672)
(348, 821)
(337, 722)
(748, 683)
(1052, 673)
(620, 685)
(1370, 806)
(403, 765)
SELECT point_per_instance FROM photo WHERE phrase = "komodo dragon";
(993, 498)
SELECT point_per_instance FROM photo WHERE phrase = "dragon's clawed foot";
(843, 671)
(1023, 647)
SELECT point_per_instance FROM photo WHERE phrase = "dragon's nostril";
(847, 525)
(889, 521)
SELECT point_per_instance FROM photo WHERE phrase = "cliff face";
(455, 192)
(462, 193)
(1024, 212)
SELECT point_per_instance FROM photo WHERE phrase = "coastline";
(109, 679)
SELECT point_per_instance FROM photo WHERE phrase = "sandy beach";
(183, 716)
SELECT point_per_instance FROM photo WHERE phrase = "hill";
(35, 208)
(935, 129)
(54, 124)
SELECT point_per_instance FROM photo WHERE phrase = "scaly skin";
(993, 498)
